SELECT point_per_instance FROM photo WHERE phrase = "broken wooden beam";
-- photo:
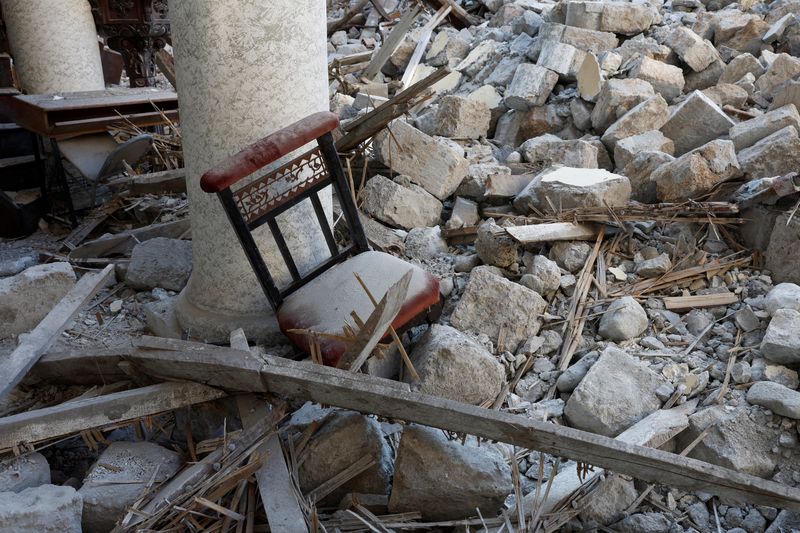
(166, 64)
(224, 367)
(34, 344)
(392, 42)
(74, 416)
(699, 301)
(556, 231)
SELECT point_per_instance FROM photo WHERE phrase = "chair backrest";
(131, 151)
(260, 201)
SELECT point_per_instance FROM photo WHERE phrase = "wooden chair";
(322, 299)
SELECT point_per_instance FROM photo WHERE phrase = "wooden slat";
(367, 394)
(78, 415)
(699, 301)
(556, 231)
(392, 42)
(38, 341)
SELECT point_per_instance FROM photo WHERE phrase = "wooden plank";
(367, 394)
(38, 341)
(699, 301)
(422, 45)
(74, 416)
(123, 242)
(556, 231)
(459, 17)
(81, 366)
(167, 181)
(393, 40)
(166, 64)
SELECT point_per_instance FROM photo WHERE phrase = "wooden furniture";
(70, 114)
(323, 299)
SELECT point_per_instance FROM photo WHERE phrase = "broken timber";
(699, 301)
(38, 341)
(74, 416)
(236, 370)
(557, 231)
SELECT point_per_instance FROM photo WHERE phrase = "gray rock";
(24, 472)
(784, 248)
(650, 141)
(530, 87)
(572, 376)
(775, 397)
(462, 118)
(561, 58)
(696, 172)
(105, 502)
(697, 321)
(42, 509)
(492, 303)
(568, 188)
(695, 51)
(747, 133)
(640, 171)
(782, 296)
(617, 97)
(570, 256)
(25, 299)
(784, 522)
(465, 213)
(774, 155)
(160, 262)
(645, 523)
(781, 342)
(699, 514)
(400, 203)
(736, 440)
(667, 80)
(345, 438)
(10, 266)
(543, 276)
(425, 243)
(623, 320)
(615, 17)
(617, 392)
(431, 163)
(548, 150)
(429, 466)
(655, 267)
(682, 126)
(161, 318)
(606, 504)
(453, 366)
(739, 66)
(494, 246)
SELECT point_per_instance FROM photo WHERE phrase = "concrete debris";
(547, 150)
(696, 172)
(571, 256)
(781, 343)
(160, 262)
(494, 246)
(425, 243)
(623, 320)
(782, 296)
(747, 133)
(777, 398)
(697, 108)
(400, 203)
(568, 187)
(462, 118)
(542, 276)
(650, 115)
(667, 80)
(24, 472)
(26, 298)
(530, 87)
(45, 509)
(773, 155)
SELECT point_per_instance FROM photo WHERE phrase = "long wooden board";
(366, 394)
(75, 416)
(38, 341)
(699, 301)
(555, 231)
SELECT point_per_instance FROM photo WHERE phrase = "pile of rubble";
(574, 180)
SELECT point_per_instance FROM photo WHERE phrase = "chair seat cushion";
(325, 303)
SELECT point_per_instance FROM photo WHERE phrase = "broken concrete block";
(650, 141)
(454, 366)
(617, 392)
(581, 38)
(571, 256)
(26, 298)
(492, 303)
(736, 440)
(342, 440)
(494, 246)
(782, 296)
(683, 125)
(695, 51)
(400, 203)
(543, 276)
(727, 94)
(465, 213)
(161, 318)
(430, 163)
(617, 97)
(783, 69)
(448, 45)
(667, 80)
(564, 59)
(781, 343)
(430, 465)
(612, 497)
(783, 249)
(160, 262)
(486, 52)
(425, 243)
(739, 66)
(697, 81)
(616, 17)
(655, 267)
(474, 184)
(624, 319)
(590, 78)
(774, 155)
(651, 114)
(105, 502)
(777, 28)
(640, 171)
(788, 93)
(10, 266)
(696, 172)
(746, 134)
(548, 150)
(530, 87)
(777, 398)
(568, 188)
(42, 509)
(24, 472)
(462, 118)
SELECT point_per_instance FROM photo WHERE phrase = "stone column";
(54, 44)
(245, 68)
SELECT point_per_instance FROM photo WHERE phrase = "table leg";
(62, 178)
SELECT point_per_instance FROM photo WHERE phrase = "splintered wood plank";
(368, 394)
(99, 411)
(556, 231)
(38, 341)
(699, 301)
